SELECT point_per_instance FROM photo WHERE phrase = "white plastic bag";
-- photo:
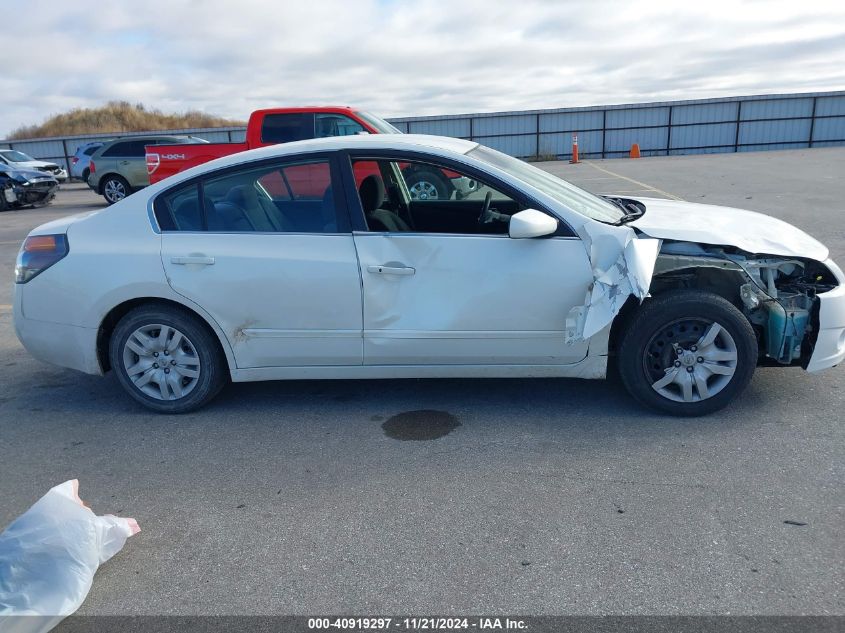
(48, 557)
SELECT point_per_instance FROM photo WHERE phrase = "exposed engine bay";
(778, 295)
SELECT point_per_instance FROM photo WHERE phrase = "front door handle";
(192, 259)
(391, 270)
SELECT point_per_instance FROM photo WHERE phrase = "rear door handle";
(391, 270)
(192, 259)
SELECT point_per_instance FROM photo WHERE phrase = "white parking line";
(636, 182)
(4, 307)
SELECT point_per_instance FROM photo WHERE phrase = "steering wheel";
(485, 208)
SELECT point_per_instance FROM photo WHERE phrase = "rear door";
(267, 251)
(127, 159)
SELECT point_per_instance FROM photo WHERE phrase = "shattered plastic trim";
(623, 265)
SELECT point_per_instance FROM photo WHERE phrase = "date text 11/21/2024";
(417, 623)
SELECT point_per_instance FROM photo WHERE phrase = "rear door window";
(296, 196)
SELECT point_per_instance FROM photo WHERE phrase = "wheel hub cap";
(161, 362)
(423, 190)
(690, 360)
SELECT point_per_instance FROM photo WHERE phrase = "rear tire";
(115, 188)
(687, 353)
(167, 359)
(85, 173)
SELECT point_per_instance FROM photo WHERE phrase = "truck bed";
(166, 160)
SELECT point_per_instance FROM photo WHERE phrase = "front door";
(444, 284)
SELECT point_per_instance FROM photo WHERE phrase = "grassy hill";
(118, 116)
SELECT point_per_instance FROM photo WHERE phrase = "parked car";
(238, 270)
(81, 158)
(25, 187)
(19, 160)
(284, 125)
(117, 168)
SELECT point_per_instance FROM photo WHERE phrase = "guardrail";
(730, 124)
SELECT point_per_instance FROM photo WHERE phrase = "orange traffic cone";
(574, 149)
(635, 150)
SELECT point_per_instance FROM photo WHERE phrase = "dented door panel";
(470, 299)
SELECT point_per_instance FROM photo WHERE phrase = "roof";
(407, 142)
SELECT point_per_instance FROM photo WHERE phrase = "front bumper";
(829, 349)
(31, 194)
(56, 343)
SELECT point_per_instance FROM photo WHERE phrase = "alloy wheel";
(114, 190)
(423, 190)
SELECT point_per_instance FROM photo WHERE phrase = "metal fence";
(732, 124)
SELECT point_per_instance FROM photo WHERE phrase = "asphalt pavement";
(458, 496)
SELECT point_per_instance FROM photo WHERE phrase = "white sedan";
(313, 260)
(19, 160)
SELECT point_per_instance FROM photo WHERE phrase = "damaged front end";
(778, 295)
(23, 190)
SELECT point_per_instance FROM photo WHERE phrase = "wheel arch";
(101, 183)
(116, 313)
(719, 281)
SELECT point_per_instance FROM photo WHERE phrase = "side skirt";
(590, 367)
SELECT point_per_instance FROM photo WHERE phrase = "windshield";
(16, 156)
(378, 123)
(569, 195)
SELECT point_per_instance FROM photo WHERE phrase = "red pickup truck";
(283, 125)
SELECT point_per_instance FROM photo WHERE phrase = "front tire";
(115, 189)
(687, 353)
(167, 359)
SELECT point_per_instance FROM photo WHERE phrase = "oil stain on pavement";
(424, 424)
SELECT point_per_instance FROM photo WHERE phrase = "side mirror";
(531, 223)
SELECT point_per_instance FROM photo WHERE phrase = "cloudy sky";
(398, 57)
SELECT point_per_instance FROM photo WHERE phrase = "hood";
(32, 164)
(30, 174)
(724, 226)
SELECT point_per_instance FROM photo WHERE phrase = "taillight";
(37, 254)
(153, 161)
(92, 167)
(74, 160)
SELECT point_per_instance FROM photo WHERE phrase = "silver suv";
(79, 162)
(118, 167)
